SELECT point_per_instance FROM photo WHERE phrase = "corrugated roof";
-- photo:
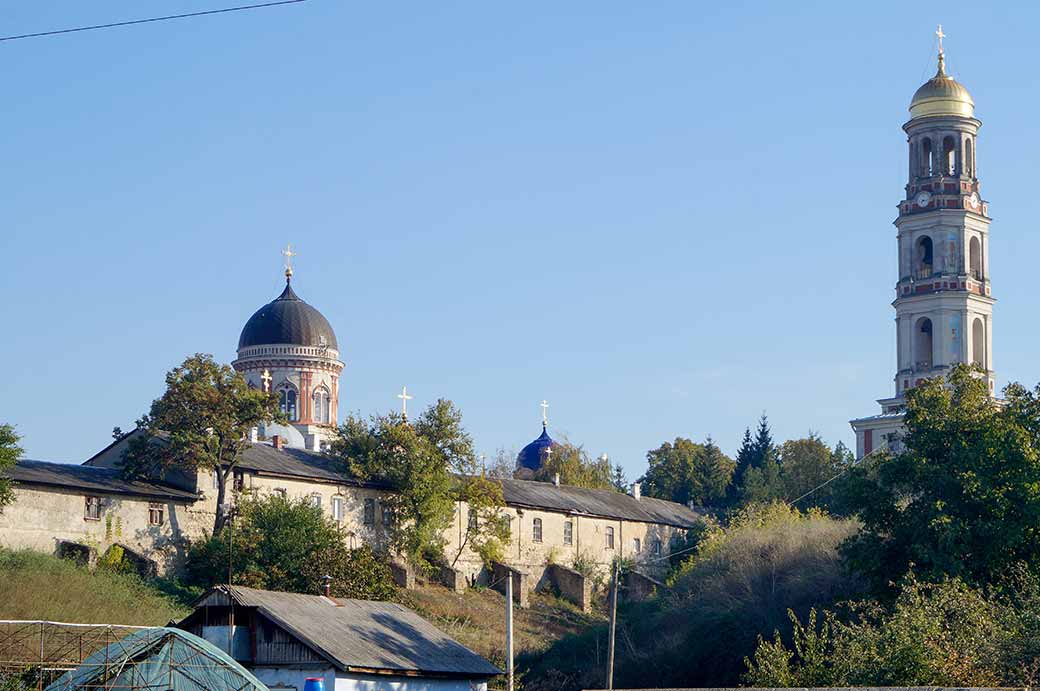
(596, 502)
(362, 634)
(92, 478)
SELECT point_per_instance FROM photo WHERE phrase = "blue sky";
(665, 218)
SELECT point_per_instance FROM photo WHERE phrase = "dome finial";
(942, 54)
(545, 414)
(289, 254)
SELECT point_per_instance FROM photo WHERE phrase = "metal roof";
(604, 503)
(92, 478)
(288, 319)
(357, 635)
(298, 463)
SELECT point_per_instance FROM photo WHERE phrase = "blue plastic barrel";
(314, 684)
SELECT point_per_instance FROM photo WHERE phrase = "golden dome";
(942, 95)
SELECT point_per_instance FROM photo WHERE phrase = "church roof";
(942, 95)
(288, 319)
(532, 456)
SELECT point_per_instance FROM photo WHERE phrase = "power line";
(151, 19)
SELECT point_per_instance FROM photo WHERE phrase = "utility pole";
(509, 629)
(613, 626)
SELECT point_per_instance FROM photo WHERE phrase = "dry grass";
(39, 586)
(477, 619)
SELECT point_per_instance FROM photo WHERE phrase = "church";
(943, 298)
(289, 348)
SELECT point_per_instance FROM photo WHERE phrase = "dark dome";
(532, 456)
(288, 319)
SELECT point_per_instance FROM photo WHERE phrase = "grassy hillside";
(477, 620)
(39, 586)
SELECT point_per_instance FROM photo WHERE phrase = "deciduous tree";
(201, 422)
(10, 452)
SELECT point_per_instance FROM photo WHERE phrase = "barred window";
(536, 530)
(155, 513)
(370, 511)
(657, 548)
(636, 545)
(92, 508)
(609, 537)
(568, 532)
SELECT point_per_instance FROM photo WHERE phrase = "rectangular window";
(92, 508)
(609, 537)
(388, 515)
(316, 500)
(155, 513)
(657, 548)
(536, 530)
(216, 479)
(370, 511)
(337, 508)
(281, 492)
(568, 532)
(239, 483)
(636, 545)
(472, 523)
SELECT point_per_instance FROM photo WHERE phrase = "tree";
(684, 471)
(806, 464)
(744, 462)
(201, 422)
(963, 497)
(575, 467)
(620, 481)
(288, 545)
(429, 465)
(10, 452)
(487, 526)
(764, 484)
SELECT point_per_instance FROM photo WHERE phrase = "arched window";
(949, 156)
(287, 402)
(321, 405)
(923, 345)
(975, 257)
(969, 160)
(924, 257)
(978, 343)
(536, 530)
(927, 162)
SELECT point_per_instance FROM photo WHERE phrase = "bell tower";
(943, 300)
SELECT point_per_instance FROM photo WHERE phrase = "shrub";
(290, 545)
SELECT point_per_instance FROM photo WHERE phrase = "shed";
(284, 638)
(159, 658)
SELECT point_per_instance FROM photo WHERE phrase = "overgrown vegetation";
(40, 586)
(576, 468)
(739, 584)
(285, 544)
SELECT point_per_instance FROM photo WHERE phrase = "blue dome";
(532, 456)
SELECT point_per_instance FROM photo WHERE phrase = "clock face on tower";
(973, 200)
(922, 198)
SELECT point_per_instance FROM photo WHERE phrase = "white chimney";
(254, 435)
(637, 490)
(556, 479)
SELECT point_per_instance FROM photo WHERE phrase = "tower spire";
(288, 254)
(942, 53)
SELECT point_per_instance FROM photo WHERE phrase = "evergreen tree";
(620, 480)
(764, 448)
(745, 458)
(712, 471)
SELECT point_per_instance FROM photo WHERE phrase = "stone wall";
(640, 587)
(521, 583)
(54, 521)
(571, 585)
